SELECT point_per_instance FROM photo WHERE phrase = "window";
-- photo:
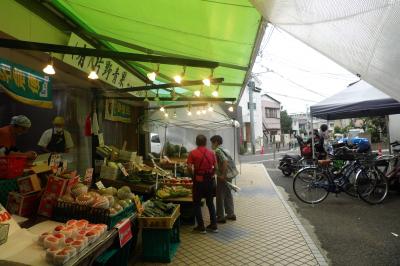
(155, 139)
(271, 113)
(254, 106)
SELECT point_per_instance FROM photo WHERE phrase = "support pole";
(312, 138)
(251, 86)
(388, 133)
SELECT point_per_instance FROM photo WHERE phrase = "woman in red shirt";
(201, 164)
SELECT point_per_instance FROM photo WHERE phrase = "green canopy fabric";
(224, 31)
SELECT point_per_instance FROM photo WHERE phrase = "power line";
(292, 97)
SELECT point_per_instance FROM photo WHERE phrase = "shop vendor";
(56, 139)
(8, 136)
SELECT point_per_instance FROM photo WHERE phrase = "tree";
(338, 130)
(286, 122)
(376, 126)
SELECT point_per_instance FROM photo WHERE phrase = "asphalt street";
(349, 231)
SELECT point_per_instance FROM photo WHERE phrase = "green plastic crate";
(160, 245)
(6, 186)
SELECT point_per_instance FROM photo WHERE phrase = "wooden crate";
(160, 222)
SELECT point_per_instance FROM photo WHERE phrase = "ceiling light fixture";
(162, 109)
(49, 69)
(93, 75)
(215, 92)
(207, 81)
(204, 111)
(210, 108)
(198, 112)
(166, 115)
(152, 75)
(179, 78)
(230, 109)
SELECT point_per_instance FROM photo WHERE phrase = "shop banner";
(25, 85)
(108, 70)
(117, 111)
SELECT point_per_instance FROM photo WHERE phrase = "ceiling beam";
(170, 99)
(179, 106)
(63, 49)
(166, 85)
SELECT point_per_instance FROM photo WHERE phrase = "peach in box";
(29, 184)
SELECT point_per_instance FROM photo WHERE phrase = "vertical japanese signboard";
(108, 70)
(117, 111)
(25, 85)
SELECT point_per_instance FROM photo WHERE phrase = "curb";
(314, 249)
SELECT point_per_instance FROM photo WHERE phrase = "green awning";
(217, 30)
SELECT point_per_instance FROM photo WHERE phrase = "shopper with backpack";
(226, 171)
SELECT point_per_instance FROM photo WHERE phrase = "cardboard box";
(29, 184)
(23, 205)
(55, 188)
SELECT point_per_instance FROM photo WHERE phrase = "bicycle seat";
(324, 162)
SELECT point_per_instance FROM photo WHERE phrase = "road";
(349, 231)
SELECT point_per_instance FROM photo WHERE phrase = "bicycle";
(313, 184)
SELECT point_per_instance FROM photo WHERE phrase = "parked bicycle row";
(350, 168)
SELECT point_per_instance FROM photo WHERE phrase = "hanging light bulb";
(198, 112)
(166, 114)
(197, 93)
(93, 74)
(207, 81)
(204, 111)
(162, 109)
(210, 108)
(215, 92)
(189, 113)
(230, 109)
(49, 69)
(179, 78)
(152, 75)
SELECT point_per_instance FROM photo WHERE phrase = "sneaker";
(200, 229)
(231, 217)
(213, 228)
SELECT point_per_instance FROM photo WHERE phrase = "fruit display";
(67, 240)
(157, 208)
(108, 198)
(173, 192)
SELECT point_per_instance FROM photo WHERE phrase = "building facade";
(271, 118)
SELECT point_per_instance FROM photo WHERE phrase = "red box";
(55, 188)
(23, 205)
(29, 184)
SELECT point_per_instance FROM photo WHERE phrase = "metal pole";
(388, 133)
(251, 86)
(312, 138)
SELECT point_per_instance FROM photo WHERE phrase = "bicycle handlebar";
(395, 143)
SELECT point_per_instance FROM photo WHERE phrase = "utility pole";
(252, 86)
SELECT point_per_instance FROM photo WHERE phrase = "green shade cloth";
(222, 30)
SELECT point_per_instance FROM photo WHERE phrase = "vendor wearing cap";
(19, 125)
(56, 139)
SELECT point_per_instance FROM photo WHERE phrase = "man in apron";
(56, 139)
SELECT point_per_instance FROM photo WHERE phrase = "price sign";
(100, 185)
(122, 168)
(124, 231)
(101, 139)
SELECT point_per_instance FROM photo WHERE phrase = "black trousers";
(205, 190)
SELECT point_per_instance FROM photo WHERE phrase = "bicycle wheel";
(349, 177)
(372, 186)
(310, 185)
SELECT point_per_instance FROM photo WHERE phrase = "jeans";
(224, 200)
(204, 190)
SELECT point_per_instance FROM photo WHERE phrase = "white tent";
(360, 35)
(358, 100)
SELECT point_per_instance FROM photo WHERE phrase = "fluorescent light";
(215, 93)
(198, 112)
(166, 115)
(230, 109)
(204, 111)
(189, 113)
(210, 108)
(93, 75)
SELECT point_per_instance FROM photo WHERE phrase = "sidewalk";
(266, 232)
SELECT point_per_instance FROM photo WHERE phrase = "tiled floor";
(266, 232)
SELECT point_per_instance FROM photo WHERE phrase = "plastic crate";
(160, 222)
(115, 256)
(7, 186)
(64, 211)
(12, 166)
(160, 245)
